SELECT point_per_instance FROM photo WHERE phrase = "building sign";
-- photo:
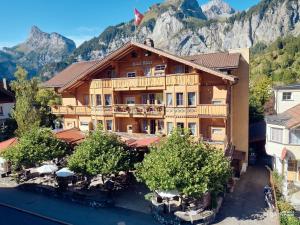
(142, 63)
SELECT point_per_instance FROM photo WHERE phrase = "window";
(179, 69)
(98, 100)
(292, 165)
(160, 125)
(147, 71)
(286, 96)
(217, 102)
(192, 128)
(92, 100)
(276, 134)
(295, 137)
(191, 98)
(179, 99)
(160, 67)
(169, 97)
(131, 74)
(130, 100)
(109, 125)
(86, 100)
(107, 100)
(180, 125)
(100, 122)
(83, 123)
(216, 130)
(169, 127)
(1, 111)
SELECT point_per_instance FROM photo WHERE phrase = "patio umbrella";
(64, 172)
(47, 169)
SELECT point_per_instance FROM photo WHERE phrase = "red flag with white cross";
(138, 17)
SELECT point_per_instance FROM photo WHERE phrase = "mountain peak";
(217, 8)
(188, 7)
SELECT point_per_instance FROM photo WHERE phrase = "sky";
(78, 20)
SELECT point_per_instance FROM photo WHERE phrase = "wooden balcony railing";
(71, 110)
(212, 110)
(102, 110)
(142, 110)
(140, 83)
(208, 110)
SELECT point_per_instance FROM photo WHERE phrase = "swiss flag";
(138, 17)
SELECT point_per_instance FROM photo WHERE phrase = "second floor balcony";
(144, 110)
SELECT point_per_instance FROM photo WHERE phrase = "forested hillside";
(273, 65)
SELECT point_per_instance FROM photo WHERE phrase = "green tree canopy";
(25, 112)
(34, 147)
(179, 163)
(101, 153)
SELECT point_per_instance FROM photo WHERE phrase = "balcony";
(140, 111)
(146, 83)
(71, 110)
(203, 110)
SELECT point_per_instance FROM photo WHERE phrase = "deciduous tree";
(179, 163)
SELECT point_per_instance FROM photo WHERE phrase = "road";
(246, 206)
(10, 216)
(65, 211)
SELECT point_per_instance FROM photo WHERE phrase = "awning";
(283, 153)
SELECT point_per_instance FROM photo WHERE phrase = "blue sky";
(76, 19)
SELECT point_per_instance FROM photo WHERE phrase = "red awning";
(142, 143)
(283, 153)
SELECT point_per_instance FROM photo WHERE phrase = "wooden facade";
(140, 91)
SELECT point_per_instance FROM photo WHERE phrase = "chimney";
(149, 42)
(4, 83)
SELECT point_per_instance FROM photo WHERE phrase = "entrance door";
(152, 126)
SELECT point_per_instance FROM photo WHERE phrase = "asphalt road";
(10, 216)
(71, 213)
(246, 205)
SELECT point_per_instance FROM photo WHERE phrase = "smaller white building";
(286, 97)
(283, 142)
(7, 102)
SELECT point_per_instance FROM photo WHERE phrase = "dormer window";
(134, 54)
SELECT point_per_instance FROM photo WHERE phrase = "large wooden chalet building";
(141, 89)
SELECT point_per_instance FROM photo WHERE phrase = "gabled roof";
(289, 119)
(216, 61)
(69, 74)
(79, 78)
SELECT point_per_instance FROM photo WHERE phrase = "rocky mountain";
(38, 51)
(215, 9)
(181, 27)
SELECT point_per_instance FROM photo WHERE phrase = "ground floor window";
(109, 125)
(170, 127)
(83, 123)
(192, 128)
(160, 125)
(292, 165)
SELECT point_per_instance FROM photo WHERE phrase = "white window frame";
(217, 102)
(105, 95)
(111, 124)
(217, 130)
(161, 67)
(181, 94)
(131, 74)
(284, 98)
(130, 100)
(195, 98)
(294, 135)
(170, 128)
(167, 100)
(195, 129)
(98, 95)
(274, 138)
(84, 123)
